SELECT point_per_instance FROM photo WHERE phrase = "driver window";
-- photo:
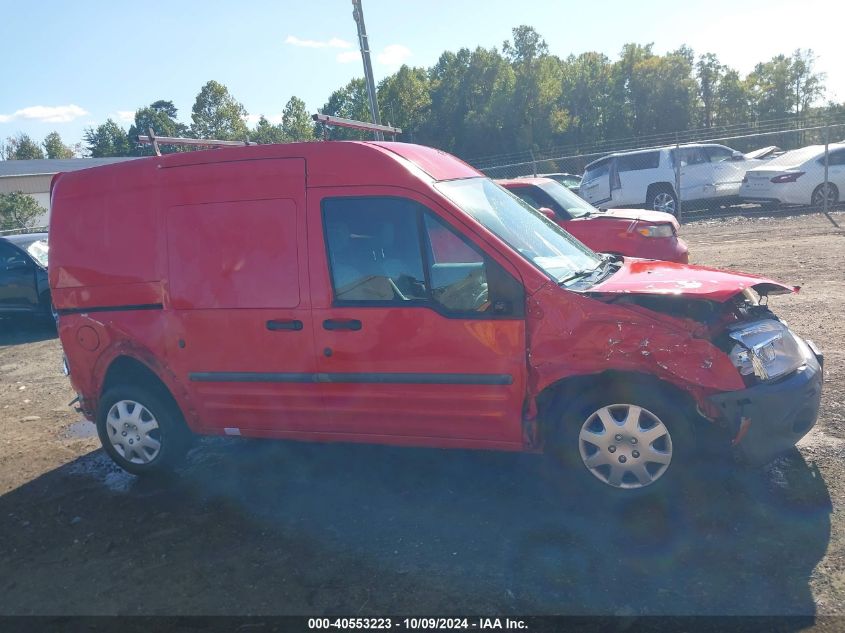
(374, 249)
(395, 251)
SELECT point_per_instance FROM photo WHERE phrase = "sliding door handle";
(284, 324)
(341, 324)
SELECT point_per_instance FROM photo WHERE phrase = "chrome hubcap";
(133, 432)
(664, 202)
(625, 446)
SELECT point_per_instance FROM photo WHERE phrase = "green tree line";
(491, 101)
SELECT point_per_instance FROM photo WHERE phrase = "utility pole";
(358, 14)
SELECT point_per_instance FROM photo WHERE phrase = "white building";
(33, 176)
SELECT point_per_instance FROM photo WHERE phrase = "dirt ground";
(281, 528)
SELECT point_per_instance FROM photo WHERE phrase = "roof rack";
(327, 120)
(336, 121)
(155, 141)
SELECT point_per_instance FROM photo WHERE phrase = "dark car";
(24, 289)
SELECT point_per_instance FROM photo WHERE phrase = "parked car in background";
(570, 181)
(629, 232)
(797, 177)
(24, 290)
(710, 175)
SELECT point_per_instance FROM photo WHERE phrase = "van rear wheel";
(628, 441)
(142, 430)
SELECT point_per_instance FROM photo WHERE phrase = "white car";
(710, 174)
(797, 177)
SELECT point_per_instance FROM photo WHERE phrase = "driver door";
(419, 333)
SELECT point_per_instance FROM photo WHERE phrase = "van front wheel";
(627, 441)
(142, 431)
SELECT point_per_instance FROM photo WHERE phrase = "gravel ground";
(274, 528)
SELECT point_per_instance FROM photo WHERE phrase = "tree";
(808, 86)
(296, 123)
(621, 116)
(19, 211)
(585, 95)
(770, 84)
(108, 139)
(22, 147)
(161, 117)
(405, 100)
(55, 148)
(733, 99)
(526, 47)
(662, 93)
(709, 73)
(266, 132)
(349, 102)
(217, 114)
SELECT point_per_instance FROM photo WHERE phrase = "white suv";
(710, 174)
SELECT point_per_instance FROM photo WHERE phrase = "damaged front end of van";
(709, 333)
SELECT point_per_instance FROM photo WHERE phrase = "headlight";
(656, 230)
(767, 349)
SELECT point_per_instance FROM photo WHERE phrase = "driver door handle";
(341, 324)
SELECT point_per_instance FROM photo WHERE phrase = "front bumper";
(780, 413)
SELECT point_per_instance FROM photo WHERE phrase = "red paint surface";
(183, 231)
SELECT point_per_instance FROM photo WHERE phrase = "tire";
(161, 436)
(584, 447)
(662, 198)
(817, 199)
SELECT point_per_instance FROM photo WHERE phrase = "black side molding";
(377, 378)
(121, 308)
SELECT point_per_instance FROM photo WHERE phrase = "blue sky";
(70, 65)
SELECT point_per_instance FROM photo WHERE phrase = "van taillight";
(790, 177)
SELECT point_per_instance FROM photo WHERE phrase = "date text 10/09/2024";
(480, 624)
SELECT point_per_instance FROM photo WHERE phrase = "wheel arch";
(125, 367)
(554, 398)
(660, 186)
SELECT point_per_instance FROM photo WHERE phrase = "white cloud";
(334, 42)
(347, 57)
(252, 119)
(393, 55)
(47, 114)
(127, 116)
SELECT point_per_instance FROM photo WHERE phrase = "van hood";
(641, 276)
(642, 215)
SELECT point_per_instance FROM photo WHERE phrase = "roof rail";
(155, 141)
(336, 121)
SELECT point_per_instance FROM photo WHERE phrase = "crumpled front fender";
(571, 334)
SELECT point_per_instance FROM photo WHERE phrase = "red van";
(630, 232)
(390, 293)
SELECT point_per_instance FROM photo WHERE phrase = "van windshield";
(526, 230)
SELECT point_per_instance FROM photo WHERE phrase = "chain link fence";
(794, 166)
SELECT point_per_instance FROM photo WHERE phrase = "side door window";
(537, 198)
(719, 154)
(11, 258)
(396, 252)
